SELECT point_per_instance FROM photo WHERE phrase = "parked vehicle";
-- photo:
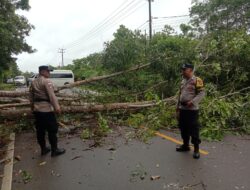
(20, 80)
(30, 79)
(58, 77)
(10, 81)
(61, 77)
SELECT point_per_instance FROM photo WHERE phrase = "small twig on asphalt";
(201, 183)
(195, 184)
(76, 157)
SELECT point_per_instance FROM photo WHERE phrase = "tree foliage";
(126, 50)
(86, 67)
(216, 41)
(13, 30)
(214, 16)
(168, 52)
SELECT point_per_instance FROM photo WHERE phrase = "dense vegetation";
(13, 30)
(216, 41)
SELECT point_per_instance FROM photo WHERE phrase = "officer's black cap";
(186, 66)
(45, 68)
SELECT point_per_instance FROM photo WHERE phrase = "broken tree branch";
(234, 93)
(78, 83)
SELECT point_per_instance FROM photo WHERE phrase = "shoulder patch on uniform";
(50, 85)
(199, 82)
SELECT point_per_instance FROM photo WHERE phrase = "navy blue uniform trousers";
(46, 121)
(189, 126)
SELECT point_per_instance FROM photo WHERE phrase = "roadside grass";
(4, 86)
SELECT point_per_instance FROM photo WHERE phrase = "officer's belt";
(41, 100)
(183, 103)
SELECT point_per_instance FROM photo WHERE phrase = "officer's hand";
(190, 104)
(58, 110)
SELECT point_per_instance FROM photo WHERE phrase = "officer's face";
(45, 73)
(187, 72)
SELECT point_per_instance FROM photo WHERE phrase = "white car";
(58, 77)
(20, 80)
(61, 77)
(10, 81)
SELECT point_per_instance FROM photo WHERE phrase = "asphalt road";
(121, 164)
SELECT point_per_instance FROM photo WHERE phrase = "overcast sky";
(75, 26)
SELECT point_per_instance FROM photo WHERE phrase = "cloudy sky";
(81, 27)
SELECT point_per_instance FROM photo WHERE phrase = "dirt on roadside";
(3, 142)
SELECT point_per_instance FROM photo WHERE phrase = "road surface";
(122, 164)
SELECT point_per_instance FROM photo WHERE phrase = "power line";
(163, 21)
(176, 19)
(170, 23)
(101, 23)
(124, 16)
(116, 14)
(142, 25)
(108, 26)
(169, 17)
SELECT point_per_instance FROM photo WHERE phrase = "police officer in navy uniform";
(191, 94)
(44, 105)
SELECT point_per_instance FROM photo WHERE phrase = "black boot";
(196, 154)
(183, 148)
(45, 151)
(57, 152)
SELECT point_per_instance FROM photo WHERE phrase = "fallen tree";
(93, 79)
(12, 100)
(13, 93)
(27, 102)
(78, 83)
(88, 107)
(14, 105)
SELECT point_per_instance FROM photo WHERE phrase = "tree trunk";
(88, 107)
(12, 100)
(14, 105)
(13, 93)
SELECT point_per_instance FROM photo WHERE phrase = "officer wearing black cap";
(44, 104)
(190, 95)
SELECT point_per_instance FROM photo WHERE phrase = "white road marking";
(8, 167)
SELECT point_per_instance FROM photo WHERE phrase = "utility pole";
(62, 51)
(150, 18)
